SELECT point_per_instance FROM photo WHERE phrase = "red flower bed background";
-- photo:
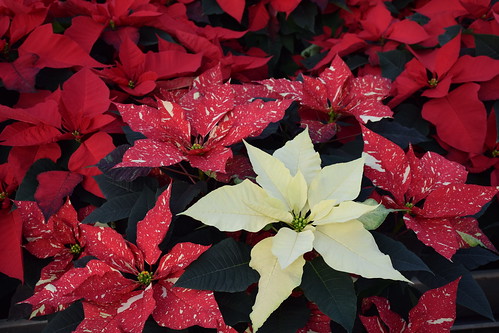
(117, 116)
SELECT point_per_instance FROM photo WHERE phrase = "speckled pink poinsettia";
(336, 93)
(128, 282)
(197, 126)
(435, 312)
(432, 190)
(58, 238)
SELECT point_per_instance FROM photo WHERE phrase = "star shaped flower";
(314, 209)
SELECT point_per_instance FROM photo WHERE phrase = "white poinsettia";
(315, 204)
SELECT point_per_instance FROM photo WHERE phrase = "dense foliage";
(245, 165)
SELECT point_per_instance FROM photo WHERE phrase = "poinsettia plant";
(248, 166)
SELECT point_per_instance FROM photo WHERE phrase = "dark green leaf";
(304, 16)
(419, 18)
(496, 110)
(27, 189)
(211, 7)
(392, 62)
(409, 115)
(66, 321)
(392, 8)
(224, 267)
(183, 193)
(291, 315)
(487, 45)
(113, 188)
(449, 34)
(332, 291)
(235, 307)
(310, 62)
(145, 201)
(402, 258)
(355, 61)
(470, 294)
(115, 209)
(121, 174)
(475, 257)
(397, 133)
(132, 136)
(149, 36)
(341, 3)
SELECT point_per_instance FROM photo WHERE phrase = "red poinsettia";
(434, 313)
(11, 261)
(334, 94)
(78, 112)
(198, 126)
(137, 73)
(445, 68)
(444, 220)
(129, 282)
(59, 238)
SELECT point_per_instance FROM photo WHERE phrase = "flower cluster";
(247, 165)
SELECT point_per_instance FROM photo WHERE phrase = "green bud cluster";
(144, 278)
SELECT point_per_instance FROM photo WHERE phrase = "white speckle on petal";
(372, 162)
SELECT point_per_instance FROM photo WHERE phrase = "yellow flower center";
(196, 146)
(299, 222)
(75, 249)
(144, 278)
(131, 84)
(433, 82)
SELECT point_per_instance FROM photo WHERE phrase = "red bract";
(59, 238)
(434, 313)
(123, 304)
(442, 222)
(198, 126)
(11, 261)
(445, 67)
(122, 18)
(137, 73)
(460, 118)
(334, 94)
(77, 112)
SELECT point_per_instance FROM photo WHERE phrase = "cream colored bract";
(316, 204)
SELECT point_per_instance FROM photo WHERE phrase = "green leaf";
(27, 189)
(332, 291)
(224, 267)
(211, 7)
(496, 110)
(128, 174)
(474, 257)
(235, 307)
(449, 34)
(145, 201)
(402, 258)
(305, 15)
(469, 295)
(66, 321)
(115, 209)
(419, 18)
(291, 315)
(392, 62)
(373, 219)
(112, 188)
(397, 133)
(183, 193)
(487, 45)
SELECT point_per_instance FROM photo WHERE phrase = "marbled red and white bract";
(443, 220)
(197, 126)
(434, 313)
(121, 288)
